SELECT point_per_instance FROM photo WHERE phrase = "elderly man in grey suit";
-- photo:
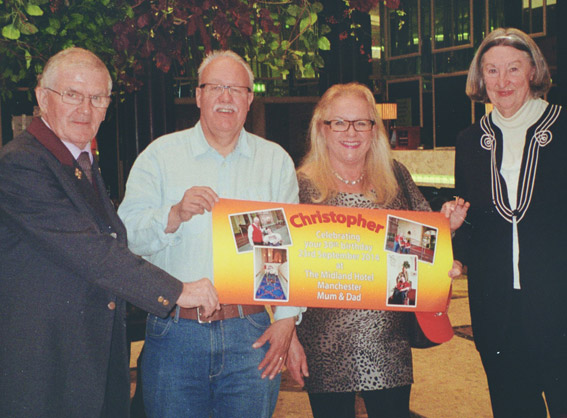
(65, 270)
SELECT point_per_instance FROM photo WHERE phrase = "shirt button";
(114, 235)
(112, 306)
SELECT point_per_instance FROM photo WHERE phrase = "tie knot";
(84, 161)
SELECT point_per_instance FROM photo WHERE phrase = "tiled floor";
(449, 379)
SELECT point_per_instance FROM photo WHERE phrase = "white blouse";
(514, 131)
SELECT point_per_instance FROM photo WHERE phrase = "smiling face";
(507, 72)
(223, 116)
(347, 150)
(77, 124)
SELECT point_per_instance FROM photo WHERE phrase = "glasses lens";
(73, 98)
(215, 89)
(100, 101)
(362, 125)
(237, 91)
(339, 125)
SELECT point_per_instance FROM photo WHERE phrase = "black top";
(485, 245)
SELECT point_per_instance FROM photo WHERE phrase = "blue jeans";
(206, 370)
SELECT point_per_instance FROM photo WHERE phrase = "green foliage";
(176, 35)
(10, 31)
(283, 35)
(33, 30)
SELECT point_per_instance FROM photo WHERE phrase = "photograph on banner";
(402, 279)
(253, 228)
(404, 236)
(271, 274)
(328, 256)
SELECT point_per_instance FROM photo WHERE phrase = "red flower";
(143, 20)
(163, 62)
(363, 5)
(392, 4)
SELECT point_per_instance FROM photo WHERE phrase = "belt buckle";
(199, 318)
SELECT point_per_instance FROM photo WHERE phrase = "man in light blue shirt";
(228, 367)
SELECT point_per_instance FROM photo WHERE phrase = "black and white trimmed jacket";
(485, 244)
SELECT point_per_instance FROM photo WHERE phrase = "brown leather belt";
(226, 312)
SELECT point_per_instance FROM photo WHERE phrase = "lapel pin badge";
(78, 173)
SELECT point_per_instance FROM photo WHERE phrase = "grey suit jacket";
(65, 274)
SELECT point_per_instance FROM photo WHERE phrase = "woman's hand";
(279, 336)
(457, 269)
(456, 211)
(297, 361)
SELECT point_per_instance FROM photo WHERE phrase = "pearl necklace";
(350, 182)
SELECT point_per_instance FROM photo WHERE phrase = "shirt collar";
(242, 146)
(73, 149)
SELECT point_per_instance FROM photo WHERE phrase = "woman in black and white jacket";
(510, 166)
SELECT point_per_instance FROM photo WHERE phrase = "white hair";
(226, 54)
(71, 57)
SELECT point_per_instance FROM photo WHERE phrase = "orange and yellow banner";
(328, 256)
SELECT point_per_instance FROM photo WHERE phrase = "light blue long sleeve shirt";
(256, 169)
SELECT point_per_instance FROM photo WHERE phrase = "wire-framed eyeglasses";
(360, 125)
(218, 89)
(74, 98)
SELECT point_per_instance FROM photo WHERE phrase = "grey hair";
(226, 54)
(476, 88)
(71, 57)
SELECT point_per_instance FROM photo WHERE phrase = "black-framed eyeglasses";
(218, 89)
(360, 125)
(74, 98)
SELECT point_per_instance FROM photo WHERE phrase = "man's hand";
(195, 201)
(456, 211)
(297, 361)
(200, 294)
(279, 336)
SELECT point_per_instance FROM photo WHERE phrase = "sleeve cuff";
(283, 312)
(161, 221)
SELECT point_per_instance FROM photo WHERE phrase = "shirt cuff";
(282, 312)
(174, 238)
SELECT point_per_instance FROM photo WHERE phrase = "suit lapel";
(94, 194)
(106, 205)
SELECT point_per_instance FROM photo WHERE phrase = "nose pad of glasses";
(85, 105)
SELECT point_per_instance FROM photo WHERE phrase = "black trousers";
(524, 370)
(517, 380)
(385, 403)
